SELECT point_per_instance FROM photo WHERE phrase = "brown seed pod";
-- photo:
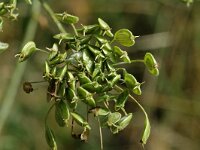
(27, 87)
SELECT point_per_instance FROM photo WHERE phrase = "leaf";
(147, 130)
(50, 138)
(3, 47)
(124, 37)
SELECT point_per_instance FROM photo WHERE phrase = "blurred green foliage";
(167, 28)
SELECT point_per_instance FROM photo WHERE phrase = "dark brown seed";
(27, 87)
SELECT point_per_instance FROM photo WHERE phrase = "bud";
(151, 64)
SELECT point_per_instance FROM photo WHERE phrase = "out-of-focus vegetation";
(167, 28)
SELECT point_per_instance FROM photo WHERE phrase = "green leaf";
(103, 24)
(80, 120)
(124, 37)
(83, 79)
(147, 130)
(3, 47)
(121, 100)
(71, 98)
(50, 138)
(151, 64)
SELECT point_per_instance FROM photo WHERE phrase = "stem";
(51, 13)
(17, 75)
(46, 117)
(100, 134)
(74, 28)
(41, 50)
(132, 61)
(146, 116)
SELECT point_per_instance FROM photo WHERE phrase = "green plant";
(88, 73)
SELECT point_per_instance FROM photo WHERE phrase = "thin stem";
(51, 13)
(46, 117)
(41, 50)
(37, 81)
(100, 134)
(132, 61)
(74, 28)
(120, 89)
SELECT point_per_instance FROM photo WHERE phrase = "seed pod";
(115, 80)
(97, 69)
(151, 64)
(103, 24)
(53, 52)
(86, 96)
(47, 74)
(61, 89)
(62, 73)
(80, 120)
(71, 80)
(60, 58)
(64, 36)
(27, 87)
(61, 113)
(98, 111)
(92, 87)
(124, 37)
(83, 79)
(27, 51)
(88, 60)
(124, 121)
(113, 118)
(89, 29)
(72, 99)
(122, 54)
(101, 39)
(50, 138)
(67, 18)
(121, 100)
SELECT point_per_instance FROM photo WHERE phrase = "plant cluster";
(86, 74)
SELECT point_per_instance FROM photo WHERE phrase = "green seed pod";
(61, 113)
(122, 54)
(121, 100)
(98, 111)
(64, 36)
(130, 80)
(60, 58)
(137, 90)
(62, 73)
(103, 24)
(89, 29)
(124, 121)
(124, 37)
(61, 88)
(53, 72)
(47, 74)
(80, 120)
(114, 129)
(71, 80)
(97, 69)
(72, 99)
(151, 64)
(88, 60)
(109, 33)
(27, 51)
(92, 87)
(67, 18)
(53, 52)
(101, 39)
(50, 138)
(83, 79)
(86, 96)
(115, 80)
(113, 118)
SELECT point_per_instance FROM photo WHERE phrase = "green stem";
(46, 117)
(74, 28)
(132, 61)
(41, 50)
(51, 13)
(17, 75)
(100, 134)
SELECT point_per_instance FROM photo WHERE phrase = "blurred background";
(167, 28)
